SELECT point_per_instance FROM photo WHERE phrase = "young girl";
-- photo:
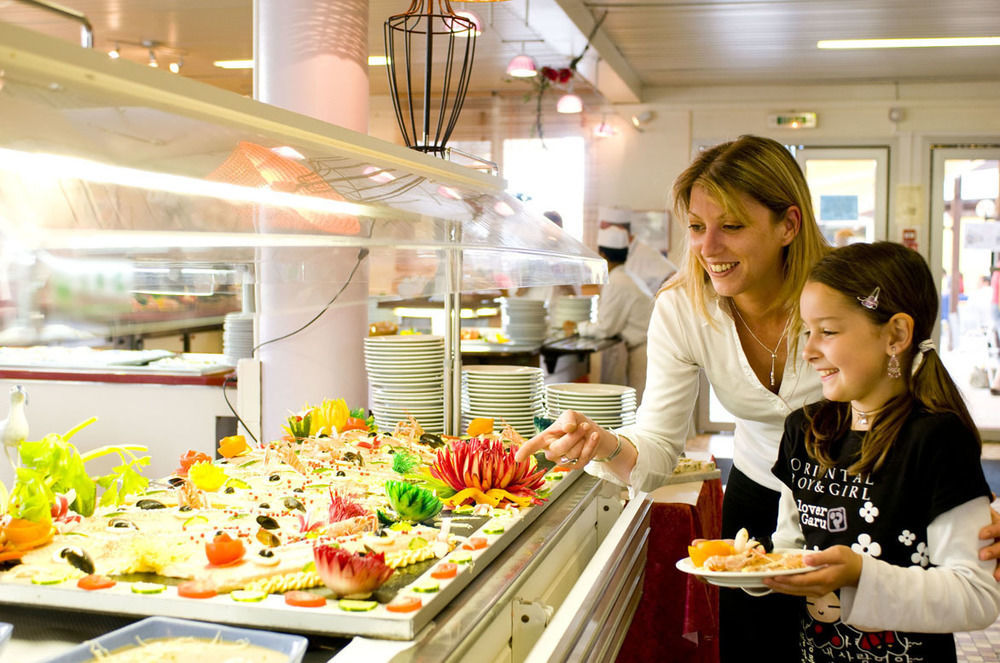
(883, 476)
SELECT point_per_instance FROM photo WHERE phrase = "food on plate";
(742, 555)
(188, 650)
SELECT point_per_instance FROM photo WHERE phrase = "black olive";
(341, 473)
(267, 522)
(148, 504)
(184, 508)
(176, 482)
(229, 490)
(274, 477)
(264, 552)
(391, 450)
(263, 505)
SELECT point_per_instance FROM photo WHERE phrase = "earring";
(893, 369)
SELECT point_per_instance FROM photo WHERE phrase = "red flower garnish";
(550, 73)
(565, 75)
(348, 574)
(342, 508)
(484, 464)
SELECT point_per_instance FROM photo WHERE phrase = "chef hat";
(613, 237)
(613, 215)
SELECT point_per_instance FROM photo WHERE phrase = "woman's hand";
(571, 440)
(841, 568)
(991, 533)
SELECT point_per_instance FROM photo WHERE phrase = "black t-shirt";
(932, 467)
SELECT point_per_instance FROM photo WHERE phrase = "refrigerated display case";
(112, 173)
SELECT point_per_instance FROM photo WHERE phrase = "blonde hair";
(764, 170)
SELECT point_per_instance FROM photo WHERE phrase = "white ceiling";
(642, 44)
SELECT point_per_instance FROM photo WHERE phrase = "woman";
(731, 311)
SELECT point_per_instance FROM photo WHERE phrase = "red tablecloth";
(677, 618)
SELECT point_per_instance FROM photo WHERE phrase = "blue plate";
(5, 631)
(294, 646)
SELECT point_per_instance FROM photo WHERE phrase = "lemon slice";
(194, 521)
(237, 483)
(247, 595)
(354, 605)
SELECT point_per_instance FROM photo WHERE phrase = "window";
(548, 177)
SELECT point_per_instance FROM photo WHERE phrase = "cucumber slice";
(493, 529)
(461, 558)
(354, 605)
(147, 587)
(426, 587)
(247, 595)
(417, 542)
(48, 579)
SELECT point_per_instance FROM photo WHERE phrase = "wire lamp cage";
(428, 90)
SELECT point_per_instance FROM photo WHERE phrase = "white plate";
(737, 579)
(502, 369)
(591, 388)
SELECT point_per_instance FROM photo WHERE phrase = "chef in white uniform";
(623, 308)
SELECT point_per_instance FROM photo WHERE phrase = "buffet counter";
(583, 544)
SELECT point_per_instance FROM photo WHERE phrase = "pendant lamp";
(429, 37)
(569, 103)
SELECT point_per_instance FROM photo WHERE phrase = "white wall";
(636, 169)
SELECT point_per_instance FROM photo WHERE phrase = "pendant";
(773, 357)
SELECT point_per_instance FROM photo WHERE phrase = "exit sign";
(791, 120)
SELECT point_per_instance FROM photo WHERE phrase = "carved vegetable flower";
(350, 575)
(482, 471)
(412, 502)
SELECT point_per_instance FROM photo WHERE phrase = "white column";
(310, 56)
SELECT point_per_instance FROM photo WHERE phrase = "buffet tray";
(273, 613)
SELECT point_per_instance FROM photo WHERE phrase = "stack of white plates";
(237, 336)
(523, 320)
(406, 374)
(506, 394)
(609, 405)
(571, 307)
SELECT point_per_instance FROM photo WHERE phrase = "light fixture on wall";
(175, 67)
(640, 120)
(115, 53)
(522, 65)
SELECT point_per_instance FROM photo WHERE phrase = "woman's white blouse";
(680, 342)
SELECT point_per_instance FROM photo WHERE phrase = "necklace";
(774, 352)
(862, 415)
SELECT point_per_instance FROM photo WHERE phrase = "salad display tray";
(273, 613)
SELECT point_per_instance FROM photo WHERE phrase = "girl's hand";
(570, 441)
(841, 568)
(991, 533)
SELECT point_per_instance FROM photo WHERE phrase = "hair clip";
(871, 301)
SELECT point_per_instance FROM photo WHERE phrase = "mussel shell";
(176, 482)
(352, 457)
(269, 539)
(147, 504)
(292, 503)
(431, 440)
(78, 558)
(122, 523)
(267, 522)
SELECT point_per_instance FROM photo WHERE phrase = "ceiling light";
(377, 60)
(522, 65)
(640, 120)
(152, 59)
(475, 31)
(175, 67)
(234, 64)
(569, 103)
(929, 42)
(114, 53)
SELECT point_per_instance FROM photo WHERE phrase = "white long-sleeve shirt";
(680, 342)
(623, 309)
(957, 594)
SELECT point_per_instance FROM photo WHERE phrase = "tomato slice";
(404, 604)
(475, 543)
(196, 589)
(95, 581)
(223, 550)
(444, 571)
(304, 599)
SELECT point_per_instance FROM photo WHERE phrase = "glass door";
(965, 259)
(850, 191)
